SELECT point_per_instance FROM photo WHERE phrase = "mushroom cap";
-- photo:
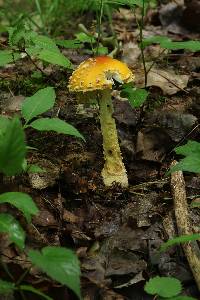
(98, 74)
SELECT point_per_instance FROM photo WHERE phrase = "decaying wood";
(191, 249)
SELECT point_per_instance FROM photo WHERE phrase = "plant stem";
(114, 169)
(141, 26)
(99, 25)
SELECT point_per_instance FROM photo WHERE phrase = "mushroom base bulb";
(110, 179)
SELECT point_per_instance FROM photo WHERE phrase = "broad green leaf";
(136, 97)
(6, 287)
(188, 45)
(71, 44)
(167, 43)
(9, 225)
(22, 201)
(190, 163)
(34, 169)
(56, 58)
(8, 56)
(31, 289)
(156, 39)
(182, 298)
(60, 264)
(4, 121)
(163, 286)
(44, 42)
(192, 147)
(39, 103)
(85, 38)
(12, 148)
(180, 239)
(57, 125)
(101, 50)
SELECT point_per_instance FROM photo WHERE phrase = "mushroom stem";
(114, 169)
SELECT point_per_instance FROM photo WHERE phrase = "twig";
(155, 60)
(178, 87)
(34, 63)
(191, 249)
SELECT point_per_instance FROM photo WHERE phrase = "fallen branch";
(191, 249)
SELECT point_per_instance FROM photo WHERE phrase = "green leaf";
(6, 287)
(4, 121)
(127, 2)
(44, 42)
(190, 163)
(71, 44)
(192, 147)
(136, 97)
(57, 125)
(30, 288)
(60, 264)
(8, 56)
(85, 38)
(167, 43)
(22, 201)
(9, 225)
(180, 239)
(39, 103)
(34, 169)
(101, 50)
(163, 286)
(182, 298)
(55, 58)
(156, 39)
(12, 148)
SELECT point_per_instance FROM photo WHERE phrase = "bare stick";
(191, 249)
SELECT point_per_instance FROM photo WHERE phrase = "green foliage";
(167, 43)
(72, 44)
(10, 226)
(180, 239)
(8, 56)
(60, 264)
(182, 298)
(12, 147)
(6, 287)
(57, 125)
(136, 97)
(163, 286)
(22, 201)
(29, 42)
(31, 289)
(39, 103)
(191, 162)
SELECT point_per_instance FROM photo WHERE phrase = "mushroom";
(98, 74)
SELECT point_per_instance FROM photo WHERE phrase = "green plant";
(168, 288)
(25, 42)
(191, 162)
(59, 263)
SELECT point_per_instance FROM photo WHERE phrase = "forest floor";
(115, 232)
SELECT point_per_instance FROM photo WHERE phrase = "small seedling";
(165, 288)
